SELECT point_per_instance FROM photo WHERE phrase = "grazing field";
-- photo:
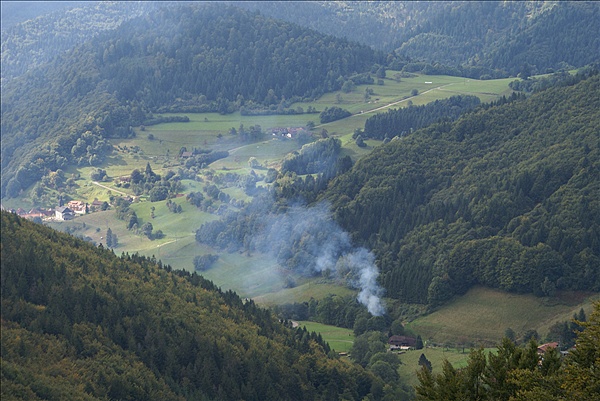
(316, 288)
(339, 339)
(482, 315)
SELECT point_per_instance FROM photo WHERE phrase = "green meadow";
(483, 315)
(339, 339)
(305, 289)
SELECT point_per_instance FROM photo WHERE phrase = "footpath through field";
(389, 104)
(109, 188)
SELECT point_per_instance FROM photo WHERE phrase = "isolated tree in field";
(419, 344)
(423, 361)
(133, 221)
(414, 92)
(360, 142)
(109, 243)
(136, 176)
(147, 229)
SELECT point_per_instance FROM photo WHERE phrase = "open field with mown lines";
(339, 339)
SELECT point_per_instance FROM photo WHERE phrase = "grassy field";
(339, 339)
(483, 315)
(316, 288)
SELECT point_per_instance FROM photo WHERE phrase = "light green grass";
(269, 153)
(482, 315)
(339, 339)
(249, 276)
(316, 288)
(398, 94)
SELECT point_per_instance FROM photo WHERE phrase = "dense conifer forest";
(475, 39)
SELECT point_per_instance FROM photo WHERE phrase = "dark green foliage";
(131, 328)
(505, 197)
(336, 311)
(173, 206)
(423, 361)
(147, 229)
(204, 159)
(195, 198)
(158, 193)
(332, 114)
(168, 119)
(98, 174)
(313, 158)
(482, 38)
(204, 262)
(402, 121)
(271, 175)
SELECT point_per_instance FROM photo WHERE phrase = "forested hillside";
(505, 197)
(79, 322)
(198, 57)
(515, 37)
(34, 33)
(489, 38)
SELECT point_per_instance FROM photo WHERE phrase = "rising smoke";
(308, 240)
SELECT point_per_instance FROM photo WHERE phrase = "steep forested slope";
(80, 323)
(197, 57)
(512, 37)
(34, 33)
(505, 197)
(473, 38)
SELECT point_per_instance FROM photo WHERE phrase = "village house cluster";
(61, 212)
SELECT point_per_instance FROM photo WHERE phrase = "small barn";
(402, 343)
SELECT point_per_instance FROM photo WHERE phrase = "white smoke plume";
(311, 242)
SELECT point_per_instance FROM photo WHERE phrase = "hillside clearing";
(483, 314)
